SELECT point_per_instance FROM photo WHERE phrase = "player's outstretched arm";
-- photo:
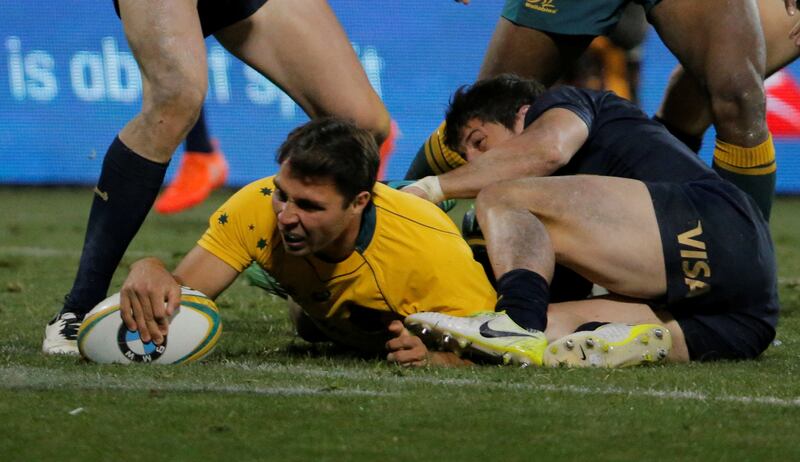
(202, 270)
(539, 150)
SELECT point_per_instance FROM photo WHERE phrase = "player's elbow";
(558, 158)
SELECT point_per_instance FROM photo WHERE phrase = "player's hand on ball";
(148, 298)
(405, 349)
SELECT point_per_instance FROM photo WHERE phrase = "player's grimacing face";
(311, 214)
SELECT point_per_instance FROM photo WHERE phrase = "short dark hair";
(335, 148)
(490, 100)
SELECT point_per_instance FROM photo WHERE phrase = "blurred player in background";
(612, 62)
(203, 169)
(686, 109)
(718, 42)
(297, 44)
(585, 179)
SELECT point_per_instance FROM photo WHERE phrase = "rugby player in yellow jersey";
(356, 255)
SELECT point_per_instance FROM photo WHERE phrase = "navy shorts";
(569, 17)
(720, 265)
(219, 14)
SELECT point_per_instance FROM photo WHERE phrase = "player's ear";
(361, 200)
(519, 120)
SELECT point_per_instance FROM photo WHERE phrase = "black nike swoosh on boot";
(488, 332)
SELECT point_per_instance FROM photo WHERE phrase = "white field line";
(567, 389)
(28, 378)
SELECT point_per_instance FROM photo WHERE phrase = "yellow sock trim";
(754, 171)
(440, 158)
(758, 157)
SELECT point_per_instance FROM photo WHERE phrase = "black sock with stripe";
(126, 190)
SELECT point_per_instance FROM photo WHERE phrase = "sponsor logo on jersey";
(694, 261)
(545, 6)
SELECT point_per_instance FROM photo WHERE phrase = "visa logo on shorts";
(545, 6)
(694, 261)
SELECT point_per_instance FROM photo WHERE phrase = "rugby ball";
(194, 329)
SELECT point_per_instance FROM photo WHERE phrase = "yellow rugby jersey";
(409, 257)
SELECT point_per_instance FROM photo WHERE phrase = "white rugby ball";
(194, 330)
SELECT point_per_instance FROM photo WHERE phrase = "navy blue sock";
(524, 295)
(126, 190)
(197, 139)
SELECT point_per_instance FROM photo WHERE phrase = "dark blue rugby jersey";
(623, 141)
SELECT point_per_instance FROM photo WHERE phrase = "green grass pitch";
(265, 395)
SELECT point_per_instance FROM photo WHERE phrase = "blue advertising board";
(68, 84)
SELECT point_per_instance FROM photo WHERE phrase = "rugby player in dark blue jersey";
(586, 180)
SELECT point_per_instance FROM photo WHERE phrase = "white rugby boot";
(488, 333)
(61, 334)
(611, 345)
